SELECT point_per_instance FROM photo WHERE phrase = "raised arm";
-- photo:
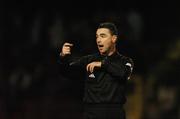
(66, 59)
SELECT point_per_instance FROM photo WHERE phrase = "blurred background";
(31, 36)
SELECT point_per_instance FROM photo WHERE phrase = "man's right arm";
(65, 53)
(67, 61)
(68, 64)
(64, 60)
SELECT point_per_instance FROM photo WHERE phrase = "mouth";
(100, 46)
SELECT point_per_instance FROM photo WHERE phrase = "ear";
(114, 38)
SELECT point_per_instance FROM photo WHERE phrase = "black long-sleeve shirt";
(106, 85)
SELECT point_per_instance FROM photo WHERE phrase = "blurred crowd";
(31, 86)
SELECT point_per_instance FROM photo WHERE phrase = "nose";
(98, 40)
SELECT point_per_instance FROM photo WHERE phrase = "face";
(105, 41)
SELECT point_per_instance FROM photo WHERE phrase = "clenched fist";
(66, 49)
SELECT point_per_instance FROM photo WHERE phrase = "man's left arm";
(121, 68)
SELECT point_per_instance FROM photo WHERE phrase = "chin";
(102, 53)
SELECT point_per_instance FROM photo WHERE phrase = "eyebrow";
(101, 34)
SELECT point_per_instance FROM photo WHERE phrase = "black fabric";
(106, 85)
(109, 82)
(105, 111)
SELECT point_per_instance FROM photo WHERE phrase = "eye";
(103, 36)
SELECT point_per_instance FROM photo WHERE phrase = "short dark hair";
(109, 25)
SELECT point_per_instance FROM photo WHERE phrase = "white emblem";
(128, 64)
(92, 75)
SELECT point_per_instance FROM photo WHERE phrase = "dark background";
(31, 36)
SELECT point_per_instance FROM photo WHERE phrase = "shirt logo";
(92, 75)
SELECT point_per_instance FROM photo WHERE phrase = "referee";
(107, 73)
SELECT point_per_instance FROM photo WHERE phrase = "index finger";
(68, 44)
(88, 67)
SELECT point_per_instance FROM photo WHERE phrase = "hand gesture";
(66, 49)
(90, 67)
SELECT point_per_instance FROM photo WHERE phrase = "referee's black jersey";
(106, 85)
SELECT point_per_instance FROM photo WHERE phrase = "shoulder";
(127, 60)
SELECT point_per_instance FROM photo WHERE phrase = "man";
(107, 75)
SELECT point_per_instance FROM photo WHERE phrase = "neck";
(111, 51)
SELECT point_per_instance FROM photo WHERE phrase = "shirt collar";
(116, 53)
